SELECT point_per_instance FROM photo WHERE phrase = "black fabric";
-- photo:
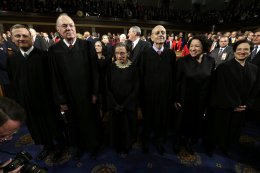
(122, 92)
(157, 91)
(30, 81)
(233, 85)
(75, 81)
(192, 90)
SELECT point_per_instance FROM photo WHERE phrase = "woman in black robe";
(103, 63)
(193, 76)
(122, 90)
(235, 84)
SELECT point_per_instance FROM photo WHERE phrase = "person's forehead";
(20, 30)
(9, 126)
(65, 20)
(159, 28)
(121, 48)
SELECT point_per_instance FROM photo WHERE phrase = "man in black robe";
(73, 63)
(157, 68)
(231, 95)
(28, 72)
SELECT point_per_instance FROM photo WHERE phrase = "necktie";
(159, 52)
(254, 52)
(133, 46)
(220, 51)
(70, 46)
(25, 55)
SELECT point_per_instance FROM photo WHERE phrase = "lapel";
(136, 50)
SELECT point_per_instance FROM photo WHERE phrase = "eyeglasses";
(256, 35)
(65, 26)
(7, 137)
(120, 53)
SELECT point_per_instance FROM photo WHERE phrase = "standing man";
(29, 76)
(222, 53)
(38, 40)
(254, 112)
(137, 46)
(74, 69)
(157, 89)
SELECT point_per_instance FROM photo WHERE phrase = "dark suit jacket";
(226, 55)
(256, 59)
(48, 44)
(140, 47)
(39, 43)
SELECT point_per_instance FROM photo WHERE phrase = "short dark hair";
(257, 30)
(235, 45)
(204, 42)
(17, 26)
(9, 109)
(120, 44)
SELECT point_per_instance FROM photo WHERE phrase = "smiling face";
(195, 48)
(66, 28)
(158, 35)
(22, 38)
(242, 52)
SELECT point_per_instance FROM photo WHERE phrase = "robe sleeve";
(56, 80)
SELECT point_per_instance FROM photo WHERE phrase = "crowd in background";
(168, 76)
(234, 11)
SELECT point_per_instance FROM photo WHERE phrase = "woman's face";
(121, 54)
(195, 48)
(242, 51)
(98, 47)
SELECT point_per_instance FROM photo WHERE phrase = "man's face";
(66, 28)
(223, 42)
(159, 35)
(7, 130)
(256, 38)
(131, 34)
(22, 38)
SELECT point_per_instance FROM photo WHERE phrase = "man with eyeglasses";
(12, 116)
(74, 75)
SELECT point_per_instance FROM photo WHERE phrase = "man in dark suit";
(28, 74)
(254, 112)
(223, 53)
(38, 40)
(138, 46)
(48, 42)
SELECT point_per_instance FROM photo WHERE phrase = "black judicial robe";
(30, 81)
(233, 85)
(75, 80)
(192, 88)
(122, 90)
(157, 74)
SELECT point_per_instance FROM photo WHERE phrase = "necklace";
(120, 65)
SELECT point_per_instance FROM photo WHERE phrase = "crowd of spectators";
(234, 11)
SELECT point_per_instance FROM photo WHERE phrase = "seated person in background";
(11, 117)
